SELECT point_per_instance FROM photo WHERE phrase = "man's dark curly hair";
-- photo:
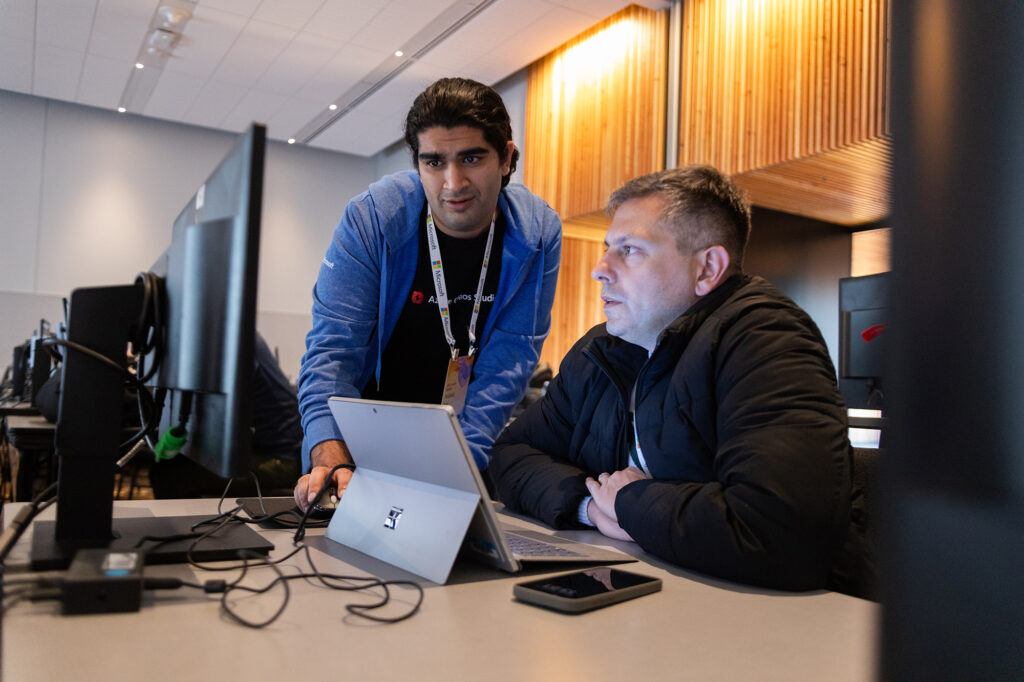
(452, 102)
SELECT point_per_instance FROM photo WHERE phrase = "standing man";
(437, 285)
(702, 420)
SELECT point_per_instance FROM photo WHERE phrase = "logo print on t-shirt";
(417, 297)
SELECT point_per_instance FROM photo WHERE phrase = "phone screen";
(588, 583)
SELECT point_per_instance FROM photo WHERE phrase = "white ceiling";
(282, 62)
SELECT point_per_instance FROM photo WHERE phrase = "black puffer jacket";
(741, 425)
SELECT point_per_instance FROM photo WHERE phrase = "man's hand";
(324, 456)
(601, 509)
(606, 525)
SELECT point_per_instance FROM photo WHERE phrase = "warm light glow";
(740, 7)
(139, 65)
(333, 107)
(121, 110)
(291, 140)
(398, 53)
(589, 60)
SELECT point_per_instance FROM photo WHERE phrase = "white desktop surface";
(696, 628)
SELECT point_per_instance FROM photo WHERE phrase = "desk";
(17, 407)
(695, 628)
(32, 436)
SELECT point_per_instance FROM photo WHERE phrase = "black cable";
(360, 610)
(281, 578)
(328, 580)
(196, 536)
(227, 487)
(141, 389)
(21, 521)
(10, 599)
(150, 328)
(149, 334)
(143, 395)
(150, 424)
(300, 532)
(221, 521)
(121, 369)
(287, 518)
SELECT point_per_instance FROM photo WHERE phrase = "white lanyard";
(442, 291)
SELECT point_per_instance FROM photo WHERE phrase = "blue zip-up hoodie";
(365, 279)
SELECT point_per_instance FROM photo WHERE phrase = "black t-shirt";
(415, 361)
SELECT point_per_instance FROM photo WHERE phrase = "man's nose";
(602, 272)
(454, 177)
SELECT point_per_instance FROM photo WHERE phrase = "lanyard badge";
(460, 367)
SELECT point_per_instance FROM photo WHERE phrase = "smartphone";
(585, 590)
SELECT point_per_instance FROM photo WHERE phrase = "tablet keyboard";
(528, 547)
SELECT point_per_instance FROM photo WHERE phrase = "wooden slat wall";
(595, 114)
(766, 82)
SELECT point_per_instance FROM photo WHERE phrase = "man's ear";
(506, 161)
(712, 266)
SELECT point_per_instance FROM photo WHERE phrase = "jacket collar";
(695, 315)
(622, 360)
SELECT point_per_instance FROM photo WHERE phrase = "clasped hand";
(603, 490)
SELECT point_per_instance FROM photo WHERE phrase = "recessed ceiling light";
(139, 65)
(291, 140)
(121, 110)
(333, 107)
(398, 53)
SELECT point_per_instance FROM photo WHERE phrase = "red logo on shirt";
(417, 297)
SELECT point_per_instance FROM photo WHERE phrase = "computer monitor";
(195, 312)
(863, 316)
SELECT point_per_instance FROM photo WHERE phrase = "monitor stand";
(87, 442)
(48, 554)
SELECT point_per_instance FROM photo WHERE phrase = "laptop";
(416, 499)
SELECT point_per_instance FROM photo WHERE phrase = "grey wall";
(804, 258)
(88, 197)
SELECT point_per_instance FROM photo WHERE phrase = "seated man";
(702, 420)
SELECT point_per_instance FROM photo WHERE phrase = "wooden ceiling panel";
(848, 186)
(790, 98)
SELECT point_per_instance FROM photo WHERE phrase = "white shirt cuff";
(581, 514)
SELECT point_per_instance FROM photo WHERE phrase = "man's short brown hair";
(702, 205)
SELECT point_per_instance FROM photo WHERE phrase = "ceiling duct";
(452, 19)
(163, 34)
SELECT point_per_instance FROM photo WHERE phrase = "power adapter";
(103, 581)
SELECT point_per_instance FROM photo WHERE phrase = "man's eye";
(628, 250)
(432, 163)
(470, 160)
